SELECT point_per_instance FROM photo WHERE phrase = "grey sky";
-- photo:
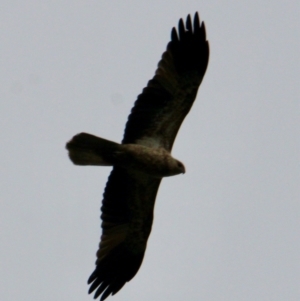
(227, 230)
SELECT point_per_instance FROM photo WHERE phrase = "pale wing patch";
(150, 142)
(110, 239)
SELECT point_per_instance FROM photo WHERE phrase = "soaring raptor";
(143, 158)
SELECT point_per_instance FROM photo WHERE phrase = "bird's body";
(143, 158)
(86, 149)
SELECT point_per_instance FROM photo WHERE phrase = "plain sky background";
(227, 230)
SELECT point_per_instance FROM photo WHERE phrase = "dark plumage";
(129, 196)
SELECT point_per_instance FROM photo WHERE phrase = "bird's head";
(180, 167)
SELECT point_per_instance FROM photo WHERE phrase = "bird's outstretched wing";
(129, 197)
(162, 106)
(127, 215)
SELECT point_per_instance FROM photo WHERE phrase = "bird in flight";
(143, 158)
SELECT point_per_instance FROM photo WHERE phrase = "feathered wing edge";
(120, 260)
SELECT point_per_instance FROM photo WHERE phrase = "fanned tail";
(86, 149)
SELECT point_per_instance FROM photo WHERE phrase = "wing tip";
(189, 45)
(187, 28)
(113, 271)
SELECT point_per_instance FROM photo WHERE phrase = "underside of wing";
(127, 214)
(159, 111)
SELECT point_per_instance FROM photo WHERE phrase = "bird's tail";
(86, 149)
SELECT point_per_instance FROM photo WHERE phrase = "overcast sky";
(227, 230)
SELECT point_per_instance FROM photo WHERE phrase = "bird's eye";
(180, 165)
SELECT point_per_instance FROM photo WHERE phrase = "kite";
(143, 158)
